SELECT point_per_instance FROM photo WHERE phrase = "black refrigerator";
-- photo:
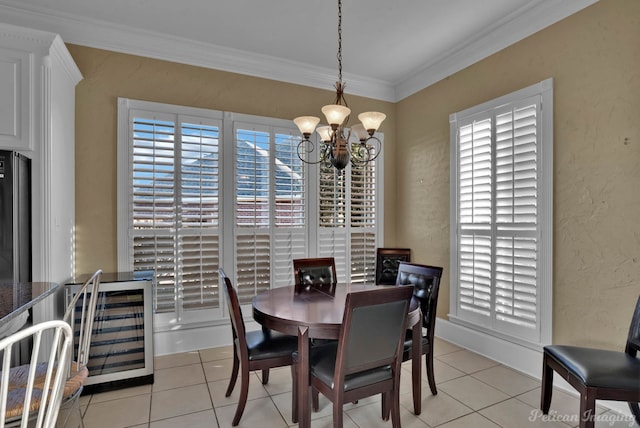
(15, 217)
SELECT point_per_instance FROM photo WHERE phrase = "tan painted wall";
(594, 59)
(109, 75)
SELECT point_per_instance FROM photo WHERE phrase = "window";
(199, 189)
(501, 234)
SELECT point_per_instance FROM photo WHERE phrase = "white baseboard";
(192, 339)
(517, 357)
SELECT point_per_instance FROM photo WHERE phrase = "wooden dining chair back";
(596, 374)
(253, 350)
(387, 262)
(366, 359)
(312, 272)
(426, 285)
(41, 385)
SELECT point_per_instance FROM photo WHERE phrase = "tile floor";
(473, 391)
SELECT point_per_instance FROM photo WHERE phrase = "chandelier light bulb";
(325, 133)
(371, 120)
(306, 124)
(335, 114)
(360, 132)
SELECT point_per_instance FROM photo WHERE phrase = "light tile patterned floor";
(473, 392)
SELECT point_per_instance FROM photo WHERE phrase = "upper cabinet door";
(15, 100)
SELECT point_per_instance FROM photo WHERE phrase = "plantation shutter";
(498, 226)
(290, 233)
(475, 195)
(332, 218)
(199, 233)
(516, 215)
(174, 207)
(252, 213)
(153, 202)
(363, 223)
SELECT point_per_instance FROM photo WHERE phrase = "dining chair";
(387, 261)
(426, 285)
(80, 315)
(41, 393)
(315, 272)
(366, 359)
(596, 374)
(252, 350)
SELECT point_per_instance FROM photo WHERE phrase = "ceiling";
(391, 48)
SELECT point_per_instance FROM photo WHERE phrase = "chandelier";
(335, 147)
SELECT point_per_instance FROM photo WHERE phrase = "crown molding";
(99, 34)
(504, 33)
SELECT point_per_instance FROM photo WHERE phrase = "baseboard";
(517, 357)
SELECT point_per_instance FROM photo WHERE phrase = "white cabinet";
(15, 116)
(37, 118)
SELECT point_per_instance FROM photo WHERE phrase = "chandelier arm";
(306, 147)
(376, 147)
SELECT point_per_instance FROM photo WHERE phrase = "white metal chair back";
(42, 393)
(87, 297)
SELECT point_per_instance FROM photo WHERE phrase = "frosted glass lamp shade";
(306, 124)
(371, 120)
(325, 133)
(361, 133)
(335, 113)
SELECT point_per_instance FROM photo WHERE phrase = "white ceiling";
(391, 48)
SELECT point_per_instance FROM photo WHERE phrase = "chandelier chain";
(340, 41)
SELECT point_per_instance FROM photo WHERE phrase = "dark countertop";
(143, 275)
(17, 298)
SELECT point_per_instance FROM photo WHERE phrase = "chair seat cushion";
(408, 343)
(598, 367)
(323, 363)
(18, 379)
(264, 344)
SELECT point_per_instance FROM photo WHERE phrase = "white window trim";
(545, 179)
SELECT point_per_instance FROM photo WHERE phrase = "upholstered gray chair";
(252, 350)
(426, 285)
(314, 271)
(366, 359)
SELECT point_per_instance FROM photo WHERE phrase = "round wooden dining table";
(316, 313)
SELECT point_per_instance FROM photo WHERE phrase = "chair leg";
(635, 410)
(315, 399)
(386, 406)
(337, 413)
(587, 409)
(395, 408)
(547, 386)
(244, 392)
(430, 373)
(294, 394)
(265, 376)
(234, 375)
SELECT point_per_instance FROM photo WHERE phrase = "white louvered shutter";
(516, 214)
(252, 210)
(198, 231)
(332, 216)
(363, 223)
(498, 227)
(153, 202)
(290, 219)
(174, 208)
(475, 210)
